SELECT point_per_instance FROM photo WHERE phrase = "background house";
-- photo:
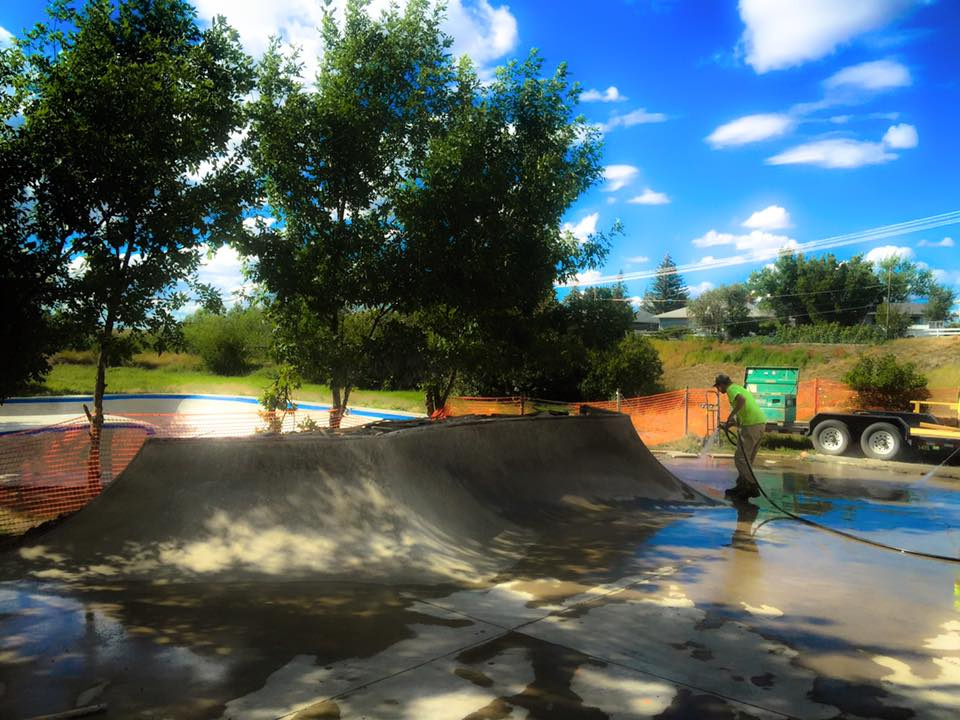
(644, 321)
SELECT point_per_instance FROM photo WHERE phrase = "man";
(745, 411)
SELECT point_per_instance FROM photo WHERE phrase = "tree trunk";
(94, 469)
(437, 394)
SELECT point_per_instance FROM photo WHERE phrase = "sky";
(731, 129)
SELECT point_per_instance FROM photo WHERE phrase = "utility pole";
(886, 332)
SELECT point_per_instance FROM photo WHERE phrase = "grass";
(694, 362)
(183, 373)
(775, 443)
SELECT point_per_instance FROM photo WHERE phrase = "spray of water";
(708, 444)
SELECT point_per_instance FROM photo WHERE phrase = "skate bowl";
(437, 502)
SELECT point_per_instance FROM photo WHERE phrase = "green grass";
(185, 375)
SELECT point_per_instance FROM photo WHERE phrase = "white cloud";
(750, 129)
(650, 197)
(781, 34)
(773, 217)
(611, 94)
(874, 76)
(901, 137)
(835, 153)
(884, 252)
(587, 277)
(636, 301)
(223, 270)
(841, 119)
(619, 176)
(947, 242)
(700, 288)
(758, 245)
(6, 37)
(640, 116)
(585, 228)
(638, 260)
(480, 29)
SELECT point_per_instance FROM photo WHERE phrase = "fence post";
(523, 405)
(686, 410)
(619, 400)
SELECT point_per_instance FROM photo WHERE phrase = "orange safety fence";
(669, 416)
(47, 472)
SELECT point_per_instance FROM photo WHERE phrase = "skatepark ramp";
(454, 501)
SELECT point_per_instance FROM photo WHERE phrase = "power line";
(879, 233)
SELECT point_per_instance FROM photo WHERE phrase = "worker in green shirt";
(745, 412)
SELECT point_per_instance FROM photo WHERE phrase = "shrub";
(227, 343)
(633, 367)
(883, 382)
(830, 333)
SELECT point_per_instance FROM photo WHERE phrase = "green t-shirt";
(750, 414)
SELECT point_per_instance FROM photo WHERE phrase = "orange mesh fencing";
(670, 416)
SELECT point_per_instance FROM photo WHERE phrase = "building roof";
(679, 313)
(642, 316)
(907, 308)
(684, 313)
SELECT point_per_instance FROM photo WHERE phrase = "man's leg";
(747, 448)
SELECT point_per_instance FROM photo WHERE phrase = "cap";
(722, 379)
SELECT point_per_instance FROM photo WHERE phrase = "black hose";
(734, 440)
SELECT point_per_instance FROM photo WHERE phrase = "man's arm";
(737, 407)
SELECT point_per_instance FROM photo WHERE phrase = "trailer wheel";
(881, 441)
(831, 437)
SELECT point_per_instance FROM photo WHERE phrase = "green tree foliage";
(891, 322)
(483, 217)
(229, 344)
(631, 366)
(829, 333)
(328, 158)
(903, 279)
(883, 382)
(122, 107)
(599, 316)
(724, 311)
(32, 273)
(817, 289)
(668, 291)
(940, 302)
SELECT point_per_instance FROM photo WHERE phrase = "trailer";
(879, 434)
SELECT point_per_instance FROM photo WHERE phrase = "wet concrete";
(616, 612)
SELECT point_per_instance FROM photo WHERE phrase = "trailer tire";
(831, 437)
(882, 441)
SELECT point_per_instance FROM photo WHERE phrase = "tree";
(668, 291)
(903, 279)
(940, 302)
(883, 382)
(123, 106)
(31, 272)
(482, 219)
(632, 366)
(723, 311)
(599, 316)
(817, 290)
(329, 159)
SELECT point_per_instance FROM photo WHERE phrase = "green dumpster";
(775, 389)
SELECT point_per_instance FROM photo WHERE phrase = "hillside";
(694, 362)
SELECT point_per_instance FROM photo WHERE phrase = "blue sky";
(731, 128)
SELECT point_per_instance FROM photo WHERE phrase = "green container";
(775, 390)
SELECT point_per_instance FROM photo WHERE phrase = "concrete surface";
(623, 595)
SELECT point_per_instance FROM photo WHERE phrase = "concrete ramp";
(450, 502)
